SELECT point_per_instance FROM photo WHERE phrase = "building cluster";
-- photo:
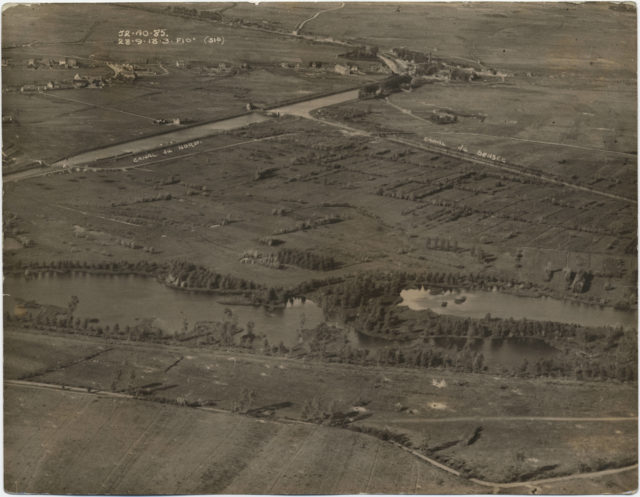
(342, 69)
(57, 63)
(123, 71)
(346, 69)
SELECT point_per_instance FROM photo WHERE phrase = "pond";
(479, 304)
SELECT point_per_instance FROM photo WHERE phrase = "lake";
(503, 305)
(127, 299)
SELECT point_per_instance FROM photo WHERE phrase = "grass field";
(27, 355)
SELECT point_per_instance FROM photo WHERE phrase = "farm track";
(529, 483)
(84, 213)
(316, 39)
(302, 24)
(373, 467)
(480, 419)
(95, 106)
(432, 462)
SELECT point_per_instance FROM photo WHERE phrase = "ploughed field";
(185, 415)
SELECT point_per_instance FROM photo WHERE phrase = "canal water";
(502, 305)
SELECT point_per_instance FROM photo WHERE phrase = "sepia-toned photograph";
(320, 248)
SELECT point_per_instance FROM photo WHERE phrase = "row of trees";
(203, 14)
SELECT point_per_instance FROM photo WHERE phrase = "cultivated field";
(105, 445)
(566, 422)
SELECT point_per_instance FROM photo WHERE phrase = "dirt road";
(480, 419)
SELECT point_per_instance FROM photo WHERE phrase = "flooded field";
(501, 352)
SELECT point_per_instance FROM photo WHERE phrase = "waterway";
(479, 304)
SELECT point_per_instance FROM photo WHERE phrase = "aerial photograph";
(320, 248)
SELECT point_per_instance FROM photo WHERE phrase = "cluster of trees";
(351, 294)
(383, 434)
(307, 260)
(66, 323)
(264, 173)
(322, 154)
(310, 223)
(413, 55)
(367, 52)
(446, 244)
(156, 198)
(142, 267)
(385, 87)
(189, 276)
(202, 14)
(606, 367)
(186, 275)
(413, 196)
(257, 257)
(245, 401)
